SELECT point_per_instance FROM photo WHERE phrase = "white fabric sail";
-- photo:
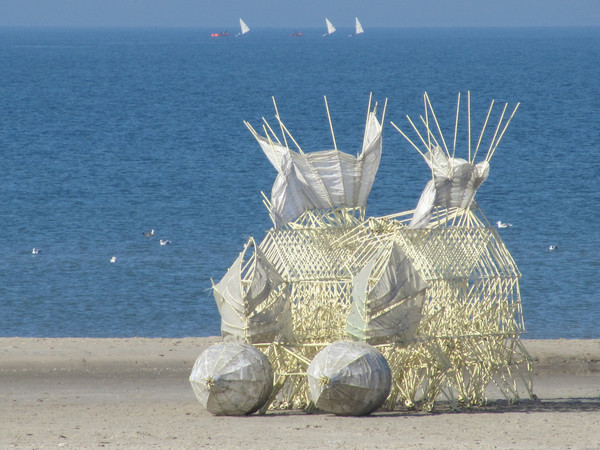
(251, 306)
(454, 184)
(390, 308)
(324, 179)
(330, 27)
(358, 27)
(244, 27)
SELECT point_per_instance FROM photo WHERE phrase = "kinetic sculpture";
(434, 290)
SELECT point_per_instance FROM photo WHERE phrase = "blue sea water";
(105, 134)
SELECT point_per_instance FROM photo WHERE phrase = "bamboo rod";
(426, 119)
(279, 120)
(330, 124)
(384, 111)
(409, 140)
(272, 147)
(456, 126)
(469, 124)
(487, 156)
(438, 126)
(291, 137)
(272, 132)
(505, 127)
(367, 122)
(483, 129)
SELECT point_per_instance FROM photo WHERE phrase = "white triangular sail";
(245, 28)
(330, 27)
(387, 299)
(251, 305)
(359, 28)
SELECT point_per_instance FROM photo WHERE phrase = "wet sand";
(134, 393)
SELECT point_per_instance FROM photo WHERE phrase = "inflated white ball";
(232, 379)
(349, 379)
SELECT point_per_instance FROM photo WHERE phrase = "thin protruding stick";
(438, 126)
(469, 122)
(419, 134)
(409, 140)
(280, 122)
(330, 124)
(271, 130)
(367, 121)
(456, 126)
(502, 134)
(488, 155)
(426, 119)
(279, 168)
(291, 137)
(384, 110)
(430, 133)
(483, 129)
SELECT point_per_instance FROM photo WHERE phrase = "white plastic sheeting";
(324, 179)
(232, 378)
(251, 305)
(454, 184)
(387, 308)
(349, 378)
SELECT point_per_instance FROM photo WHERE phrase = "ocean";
(109, 133)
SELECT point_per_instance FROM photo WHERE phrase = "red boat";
(296, 34)
(223, 34)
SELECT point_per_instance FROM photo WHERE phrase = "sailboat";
(330, 27)
(358, 28)
(244, 28)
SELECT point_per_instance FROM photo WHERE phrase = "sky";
(299, 13)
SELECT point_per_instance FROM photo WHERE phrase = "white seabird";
(150, 234)
(553, 247)
(165, 242)
(113, 259)
(35, 251)
(500, 224)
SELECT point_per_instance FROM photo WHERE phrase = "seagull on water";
(151, 234)
(35, 251)
(165, 242)
(553, 247)
(500, 224)
(113, 259)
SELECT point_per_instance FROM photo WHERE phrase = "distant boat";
(244, 28)
(330, 27)
(358, 28)
(296, 34)
(222, 34)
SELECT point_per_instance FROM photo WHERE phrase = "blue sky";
(299, 14)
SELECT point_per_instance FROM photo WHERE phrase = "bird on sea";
(150, 234)
(35, 251)
(553, 247)
(165, 242)
(500, 224)
(113, 259)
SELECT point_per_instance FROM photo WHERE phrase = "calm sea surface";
(105, 134)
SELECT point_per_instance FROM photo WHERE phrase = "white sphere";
(232, 379)
(349, 379)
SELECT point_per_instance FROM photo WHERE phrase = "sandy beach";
(134, 393)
